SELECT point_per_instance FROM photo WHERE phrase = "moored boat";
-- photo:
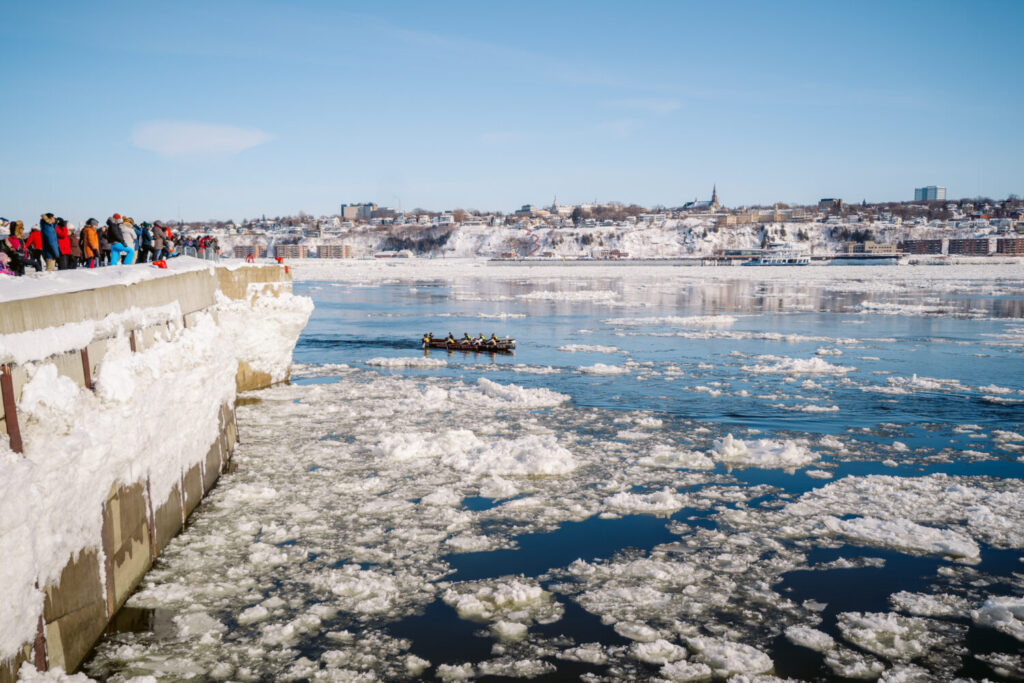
(780, 254)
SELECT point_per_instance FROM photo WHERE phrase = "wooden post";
(131, 340)
(10, 408)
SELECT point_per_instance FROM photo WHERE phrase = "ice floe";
(603, 369)
(588, 348)
(763, 453)
(1004, 614)
(797, 366)
(407, 362)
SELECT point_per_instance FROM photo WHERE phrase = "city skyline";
(243, 109)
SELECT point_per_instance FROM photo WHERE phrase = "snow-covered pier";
(118, 390)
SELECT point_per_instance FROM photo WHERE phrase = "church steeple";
(714, 195)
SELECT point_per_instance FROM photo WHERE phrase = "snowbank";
(35, 285)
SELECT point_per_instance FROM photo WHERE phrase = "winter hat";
(146, 225)
(117, 217)
(92, 221)
(71, 226)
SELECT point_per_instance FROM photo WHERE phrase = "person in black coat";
(146, 251)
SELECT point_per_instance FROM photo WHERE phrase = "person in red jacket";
(34, 248)
(63, 245)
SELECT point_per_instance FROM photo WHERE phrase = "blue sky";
(236, 109)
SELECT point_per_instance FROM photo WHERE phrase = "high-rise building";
(931, 193)
(354, 211)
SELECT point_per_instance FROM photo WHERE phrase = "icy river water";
(668, 480)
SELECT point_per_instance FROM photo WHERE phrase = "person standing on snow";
(118, 245)
(90, 243)
(63, 244)
(104, 258)
(145, 243)
(158, 241)
(75, 251)
(51, 247)
(130, 232)
(34, 248)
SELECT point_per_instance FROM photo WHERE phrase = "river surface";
(666, 480)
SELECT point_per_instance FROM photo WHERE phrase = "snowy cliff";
(672, 238)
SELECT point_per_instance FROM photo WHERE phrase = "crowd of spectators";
(55, 244)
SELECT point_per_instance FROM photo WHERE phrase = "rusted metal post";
(39, 646)
(85, 368)
(10, 408)
(131, 340)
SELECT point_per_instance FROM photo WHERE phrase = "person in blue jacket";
(51, 247)
(146, 251)
(118, 243)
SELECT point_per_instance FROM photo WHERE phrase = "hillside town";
(928, 226)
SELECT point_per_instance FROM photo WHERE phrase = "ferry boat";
(492, 345)
(780, 254)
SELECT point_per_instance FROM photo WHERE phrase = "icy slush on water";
(654, 487)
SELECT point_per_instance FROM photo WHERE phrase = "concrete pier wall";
(97, 580)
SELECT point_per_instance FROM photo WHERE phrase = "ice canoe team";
(468, 343)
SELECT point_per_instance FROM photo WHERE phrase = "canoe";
(501, 346)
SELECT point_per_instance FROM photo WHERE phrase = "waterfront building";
(247, 250)
(1011, 246)
(931, 193)
(334, 251)
(291, 251)
(870, 247)
(922, 246)
(981, 246)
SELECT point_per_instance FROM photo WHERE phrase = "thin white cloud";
(622, 128)
(191, 139)
(651, 105)
(503, 137)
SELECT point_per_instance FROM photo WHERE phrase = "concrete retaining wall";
(96, 582)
